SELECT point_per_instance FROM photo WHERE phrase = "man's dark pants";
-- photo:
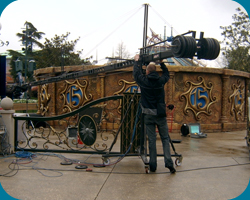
(151, 121)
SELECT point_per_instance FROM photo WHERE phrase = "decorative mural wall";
(216, 98)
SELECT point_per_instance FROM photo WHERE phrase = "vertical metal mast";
(145, 28)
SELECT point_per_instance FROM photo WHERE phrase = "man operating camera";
(154, 109)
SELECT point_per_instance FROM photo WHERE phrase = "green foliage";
(25, 100)
(237, 42)
(29, 37)
(58, 51)
(239, 59)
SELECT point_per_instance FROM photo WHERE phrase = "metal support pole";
(25, 74)
(145, 28)
(26, 46)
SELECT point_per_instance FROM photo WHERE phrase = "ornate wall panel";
(74, 95)
(44, 99)
(237, 101)
(198, 98)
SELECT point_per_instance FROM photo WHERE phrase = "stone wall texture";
(215, 98)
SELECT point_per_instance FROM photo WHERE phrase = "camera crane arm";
(182, 47)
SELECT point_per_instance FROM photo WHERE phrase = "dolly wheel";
(178, 161)
(106, 161)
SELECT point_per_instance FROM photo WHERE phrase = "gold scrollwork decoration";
(74, 95)
(237, 100)
(198, 97)
(125, 86)
(45, 98)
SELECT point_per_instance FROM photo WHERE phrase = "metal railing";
(90, 129)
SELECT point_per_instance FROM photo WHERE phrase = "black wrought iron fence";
(90, 129)
(98, 127)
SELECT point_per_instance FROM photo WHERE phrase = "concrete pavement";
(216, 167)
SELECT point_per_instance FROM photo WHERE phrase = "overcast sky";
(103, 24)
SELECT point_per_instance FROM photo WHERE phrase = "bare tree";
(122, 52)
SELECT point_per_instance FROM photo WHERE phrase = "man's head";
(150, 68)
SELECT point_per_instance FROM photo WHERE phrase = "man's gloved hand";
(137, 56)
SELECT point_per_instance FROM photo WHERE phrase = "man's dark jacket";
(152, 88)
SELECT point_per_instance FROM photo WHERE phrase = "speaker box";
(72, 136)
(184, 129)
